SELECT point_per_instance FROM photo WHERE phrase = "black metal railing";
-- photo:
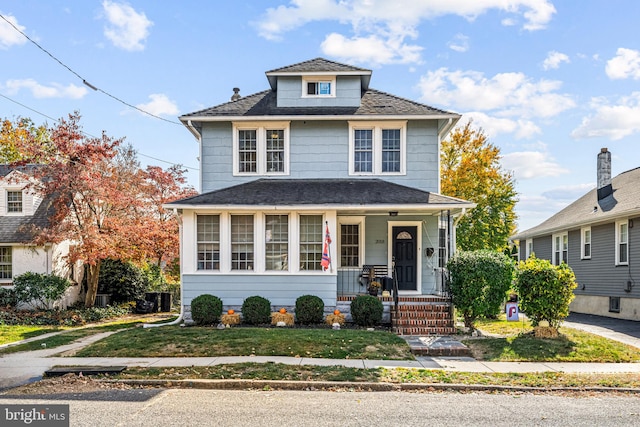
(394, 278)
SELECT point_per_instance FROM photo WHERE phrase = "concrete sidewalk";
(21, 368)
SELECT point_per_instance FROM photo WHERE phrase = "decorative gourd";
(231, 311)
(283, 310)
(336, 312)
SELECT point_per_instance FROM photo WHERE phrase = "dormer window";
(318, 86)
(14, 201)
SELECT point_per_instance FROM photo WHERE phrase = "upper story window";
(622, 243)
(377, 148)
(14, 201)
(324, 86)
(560, 248)
(261, 148)
(585, 243)
(5, 262)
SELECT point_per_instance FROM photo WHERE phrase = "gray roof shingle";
(317, 65)
(624, 202)
(345, 192)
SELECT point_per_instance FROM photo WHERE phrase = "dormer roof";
(319, 67)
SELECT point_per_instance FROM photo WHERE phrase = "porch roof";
(365, 193)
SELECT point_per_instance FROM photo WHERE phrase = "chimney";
(604, 174)
(236, 94)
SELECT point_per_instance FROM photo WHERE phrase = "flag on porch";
(326, 254)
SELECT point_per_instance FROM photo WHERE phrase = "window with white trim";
(276, 242)
(318, 86)
(377, 148)
(560, 248)
(208, 237)
(242, 242)
(351, 240)
(14, 201)
(529, 248)
(5, 262)
(311, 240)
(622, 242)
(585, 243)
(261, 148)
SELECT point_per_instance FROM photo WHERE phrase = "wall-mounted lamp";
(393, 213)
(629, 286)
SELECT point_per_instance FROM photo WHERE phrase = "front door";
(404, 251)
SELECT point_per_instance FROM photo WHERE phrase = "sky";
(550, 82)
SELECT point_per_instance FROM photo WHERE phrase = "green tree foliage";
(18, 139)
(123, 280)
(366, 310)
(479, 283)
(206, 309)
(545, 290)
(39, 289)
(470, 169)
(309, 309)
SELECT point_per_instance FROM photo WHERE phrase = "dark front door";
(404, 251)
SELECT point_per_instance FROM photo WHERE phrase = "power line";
(88, 134)
(85, 82)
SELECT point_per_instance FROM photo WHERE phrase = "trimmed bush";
(39, 289)
(479, 284)
(545, 290)
(206, 309)
(123, 280)
(8, 297)
(309, 309)
(256, 310)
(366, 310)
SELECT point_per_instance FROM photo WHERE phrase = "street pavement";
(21, 368)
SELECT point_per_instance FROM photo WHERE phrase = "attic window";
(318, 87)
(14, 201)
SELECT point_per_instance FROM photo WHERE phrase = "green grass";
(276, 371)
(14, 333)
(172, 341)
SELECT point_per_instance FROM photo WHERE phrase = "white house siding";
(348, 93)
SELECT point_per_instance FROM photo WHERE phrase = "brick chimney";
(604, 174)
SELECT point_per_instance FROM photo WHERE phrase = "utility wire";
(83, 80)
(89, 135)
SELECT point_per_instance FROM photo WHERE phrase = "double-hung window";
(311, 240)
(622, 243)
(318, 86)
(351, 242)
(14, 201)
(5, 262)
(208, 231)
(560, 248)
(585, 243)
(276, 242)
(261, 148)
(242, 242)
(377, 148)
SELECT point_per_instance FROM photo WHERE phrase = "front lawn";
(174, 341)
(12, 333)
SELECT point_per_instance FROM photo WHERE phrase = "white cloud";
(493, 126)
(160, 104)
(127, 28)
(532, 164)
(506, 94)
(391, 21)
(55, 90)
(8, 35)
(626, 64)
(613, 121)
(371, 49)
(460, 43)
(554, 59)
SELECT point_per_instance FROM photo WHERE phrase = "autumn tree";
(19, 138)
(470, 170)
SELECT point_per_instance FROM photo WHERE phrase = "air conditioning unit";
(102, 300)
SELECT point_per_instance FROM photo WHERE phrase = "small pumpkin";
(283, 310)
(336, 312)
(230, 311)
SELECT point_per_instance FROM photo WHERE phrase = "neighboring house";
(596, 237)
(20, 210)
(318, 150)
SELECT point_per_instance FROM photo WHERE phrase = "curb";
(357, 386)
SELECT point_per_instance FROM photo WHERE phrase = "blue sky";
(549, 81)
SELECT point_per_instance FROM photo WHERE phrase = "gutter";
(181, 315)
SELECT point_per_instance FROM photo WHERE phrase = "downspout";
(180, 317)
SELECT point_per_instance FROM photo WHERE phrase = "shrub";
(256, 310)
(545, 290)
(309, 309)
(480, 281)
(8, 297)
(40, 290)
(206, 309)
(366, 310)
(123, 280)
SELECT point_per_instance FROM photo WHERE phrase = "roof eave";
(408, 208)
(438, 116)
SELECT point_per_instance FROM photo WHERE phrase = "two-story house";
(318, 150)
(599, 238)
(22, 209)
